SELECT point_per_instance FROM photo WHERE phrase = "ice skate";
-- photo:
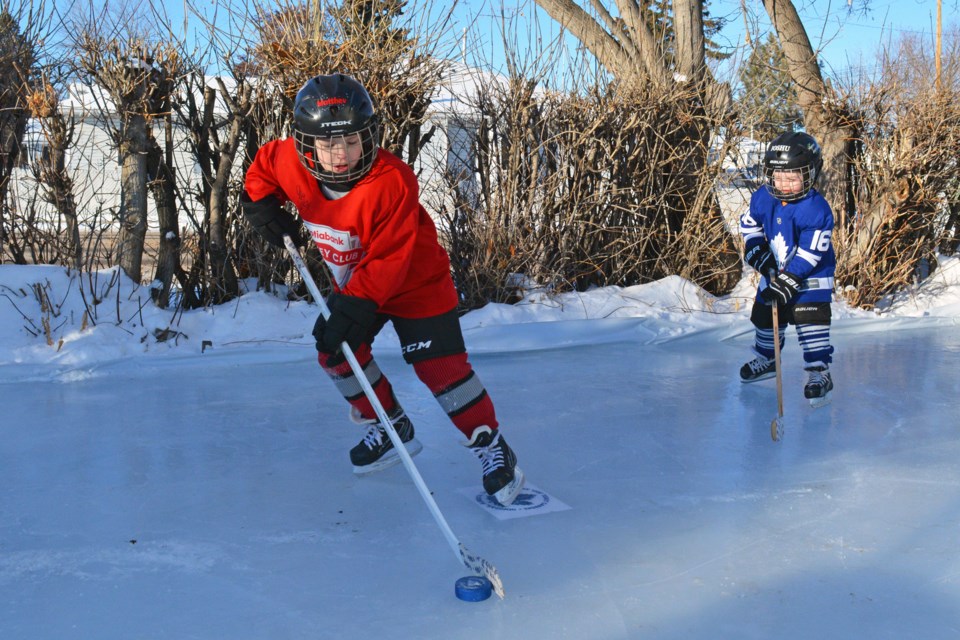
(376, 451)
(819, 386)
(760, 368)
(502, 478)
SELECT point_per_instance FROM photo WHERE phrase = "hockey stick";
(776, 427)
(473, 562)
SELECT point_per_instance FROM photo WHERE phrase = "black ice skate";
(760, 368)
(502, 478)
(818, 387)
(376, 451)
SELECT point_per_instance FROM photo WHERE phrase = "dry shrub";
(576, 191)
(905, 193)
(394, 64)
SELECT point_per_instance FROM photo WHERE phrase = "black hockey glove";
(761, 259)
(351, 319)
(781, 289)
(270, 219)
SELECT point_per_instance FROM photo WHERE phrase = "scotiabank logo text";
(322, 236)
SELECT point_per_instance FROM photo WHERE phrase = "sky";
(184, 476)
(845, 32)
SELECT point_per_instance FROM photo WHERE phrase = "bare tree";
(370, 41)
(215, 141)
(137, 76)
(18, 66)
(887, 143)
(825, 114)
(51, 171)
(666, 67)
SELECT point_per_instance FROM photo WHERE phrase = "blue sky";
(848, 36)
(846, 33)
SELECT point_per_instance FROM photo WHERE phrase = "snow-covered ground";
(184, 476)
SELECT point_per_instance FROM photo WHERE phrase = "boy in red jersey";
(361, 206)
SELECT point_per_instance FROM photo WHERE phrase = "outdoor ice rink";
(210, 497)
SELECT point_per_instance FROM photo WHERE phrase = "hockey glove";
(351, 319)
(270, 219)
(761, 259)
(781, 289)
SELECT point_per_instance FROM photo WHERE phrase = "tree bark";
(611, 48)
(163, 187)
(57, 184)
(133, 195)
(224, 276)
(690, 49)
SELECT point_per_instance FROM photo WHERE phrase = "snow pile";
(54, 315)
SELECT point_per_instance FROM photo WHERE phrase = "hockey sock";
(459, 391)
(815, 342)
(348, 385)
(764, 342)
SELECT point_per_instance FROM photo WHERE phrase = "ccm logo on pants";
(416, 346)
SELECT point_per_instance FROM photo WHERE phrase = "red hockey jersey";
(378, 240)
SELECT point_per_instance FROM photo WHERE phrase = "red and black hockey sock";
(459, 391)
(348, 385)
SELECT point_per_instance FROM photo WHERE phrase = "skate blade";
(389, 459)
(763, 377)
(816, 403)
(511, 490)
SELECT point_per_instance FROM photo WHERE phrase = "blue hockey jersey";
(799, 234)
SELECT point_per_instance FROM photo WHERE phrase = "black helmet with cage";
(794, 151)
(331, 106)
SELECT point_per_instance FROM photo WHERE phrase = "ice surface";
(174, 494)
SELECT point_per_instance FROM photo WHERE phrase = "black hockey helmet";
(334, 105)
(792, 151)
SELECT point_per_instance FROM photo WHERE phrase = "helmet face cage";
(792, 152)
(332, 107)
(307, 151)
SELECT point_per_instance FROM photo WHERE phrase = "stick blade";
(776, 429)
(481, 567)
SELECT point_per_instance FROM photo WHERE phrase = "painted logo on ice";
(527, 500)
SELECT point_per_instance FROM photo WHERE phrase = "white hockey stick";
(473, 562)
(777, 426)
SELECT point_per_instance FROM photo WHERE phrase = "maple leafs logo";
(779, 248)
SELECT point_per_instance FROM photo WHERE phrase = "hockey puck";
(473, 588)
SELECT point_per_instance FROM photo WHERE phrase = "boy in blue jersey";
(787, 233)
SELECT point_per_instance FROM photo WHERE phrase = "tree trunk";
(224, 276)
(57, 184)
(133, 196)
(630, 56)
(13, 125)
(163, 187)
(688, 25)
